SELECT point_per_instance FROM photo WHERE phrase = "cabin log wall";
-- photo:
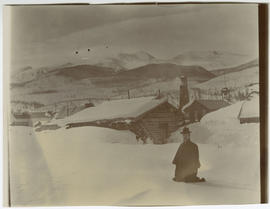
(154, 119)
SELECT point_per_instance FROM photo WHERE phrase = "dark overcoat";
(186, 160)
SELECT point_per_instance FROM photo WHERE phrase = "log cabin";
(146, 117)
(196, 109)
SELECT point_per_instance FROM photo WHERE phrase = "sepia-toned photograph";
(132, 105)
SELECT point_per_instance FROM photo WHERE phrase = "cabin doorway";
(164, 132)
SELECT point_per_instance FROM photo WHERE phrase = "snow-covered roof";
(213, 104)
(30, 115)
(250, 108)
(209, 104)
(187, 105)
(124, 108)
(253, 94)
(254, 88)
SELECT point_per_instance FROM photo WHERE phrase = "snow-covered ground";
(236, 79)
(100, 166)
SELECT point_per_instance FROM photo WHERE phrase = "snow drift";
(100, 166)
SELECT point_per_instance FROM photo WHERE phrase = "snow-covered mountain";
(82, 81)
(116, 63)
(211, 60)
(139, 72)
(168, 70)
(107, 78)
(127, 61)
(217, 61)
(29, 73)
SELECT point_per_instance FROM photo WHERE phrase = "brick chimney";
(183, 93)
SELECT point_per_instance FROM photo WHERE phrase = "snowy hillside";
(253, 63)
(90, 81)
(26, 74)
(168, 70)
(83, 165)
(111, 75)
(236, 79)
(218, 61)
(211, 60)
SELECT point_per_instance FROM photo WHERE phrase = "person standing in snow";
(187, 160)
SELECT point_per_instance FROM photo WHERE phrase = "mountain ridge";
(252, 63)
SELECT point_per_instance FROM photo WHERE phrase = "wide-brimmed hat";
(185, 131)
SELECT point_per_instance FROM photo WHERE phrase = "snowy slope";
(223, 128)
(211, 60)
(100, 166)
(87, 81)
(236, 79)
(250, 64)
(29, 73)
(226, 129)
(31, 180)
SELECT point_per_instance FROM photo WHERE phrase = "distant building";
(250, 110)
(196, 109)
(20, 119)
(225, 92)
(29, 118)
(146, 117)
(68, 109)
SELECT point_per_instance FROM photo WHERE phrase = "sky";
(50, 35)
